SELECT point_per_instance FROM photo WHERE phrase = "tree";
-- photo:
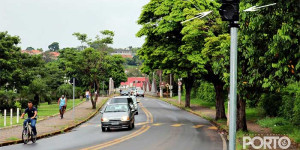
(87, 66)
(40, 49)
(172, 47)
(9, 54)
(268, 52)
(29, 48)
(37, 89)
(82, 38)
(54, 46)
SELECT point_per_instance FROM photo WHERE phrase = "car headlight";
(104, 119)
(125, 118)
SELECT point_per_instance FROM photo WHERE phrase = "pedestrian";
(62, 102)
(87, 95)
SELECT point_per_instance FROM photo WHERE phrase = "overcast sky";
(40, 22)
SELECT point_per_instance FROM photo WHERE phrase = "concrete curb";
(61, 130)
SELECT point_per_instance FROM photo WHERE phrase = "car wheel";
(132, 125)
(103, 129)
(136, 113)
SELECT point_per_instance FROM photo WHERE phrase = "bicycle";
(27, 134)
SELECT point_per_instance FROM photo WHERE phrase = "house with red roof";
(135, 82)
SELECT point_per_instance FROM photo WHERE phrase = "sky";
(40, 22)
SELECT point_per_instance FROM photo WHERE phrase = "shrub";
(7, 99)
(65, 89)
(206, 92)
(290, 108)
(271, 103)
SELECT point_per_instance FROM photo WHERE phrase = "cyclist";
(32, 113)
(62, 102)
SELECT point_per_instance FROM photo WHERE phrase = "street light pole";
(233, 83)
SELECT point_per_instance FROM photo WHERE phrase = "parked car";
(117, 115)
(140, 93)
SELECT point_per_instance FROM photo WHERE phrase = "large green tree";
(54, 46)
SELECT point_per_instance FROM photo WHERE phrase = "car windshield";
(116, 108)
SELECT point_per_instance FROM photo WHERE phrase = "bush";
(271, 103)
(290, 108)
(65, 89)
(7, 99)
(205, 92)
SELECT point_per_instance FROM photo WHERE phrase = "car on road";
(122, 99)
(140, 93)
(125, 92)
(117, 115)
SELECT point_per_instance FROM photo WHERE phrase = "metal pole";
(179, 92)
(18, 115)
(73, 98)
(171, 89)
(233, 85)
(4, 117)
(11, 116)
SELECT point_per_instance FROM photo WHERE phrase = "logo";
(267, 142)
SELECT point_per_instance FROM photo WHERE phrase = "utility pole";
(179, 91)
(230, 12)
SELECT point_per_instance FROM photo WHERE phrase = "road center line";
(143, 129)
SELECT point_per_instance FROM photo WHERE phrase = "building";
(123, 52)
(135, 82)
(32, 52)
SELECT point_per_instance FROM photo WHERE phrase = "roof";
(135, 81)
(32, 52)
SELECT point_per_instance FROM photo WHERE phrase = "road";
(159, 126)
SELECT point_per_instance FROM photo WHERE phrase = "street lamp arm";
(256, 8)
(201, 15)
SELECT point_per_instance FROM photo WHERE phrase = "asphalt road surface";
(159, 126)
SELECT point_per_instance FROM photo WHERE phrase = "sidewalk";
(53, 124)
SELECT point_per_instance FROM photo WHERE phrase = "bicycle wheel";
(25, 135)
(33, 138)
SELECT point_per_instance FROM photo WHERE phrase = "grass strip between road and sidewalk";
(66, 128)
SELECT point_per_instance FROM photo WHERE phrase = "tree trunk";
(188, 82)
(92, 100)
(241, 123)
(220, 109)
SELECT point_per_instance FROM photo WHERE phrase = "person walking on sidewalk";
(87, 95)
(32, 113)
(62, 102)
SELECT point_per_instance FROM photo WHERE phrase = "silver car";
(118, 115)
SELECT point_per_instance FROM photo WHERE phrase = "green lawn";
(44, 110)
(280, 125)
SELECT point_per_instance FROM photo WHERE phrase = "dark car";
(118, 115)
